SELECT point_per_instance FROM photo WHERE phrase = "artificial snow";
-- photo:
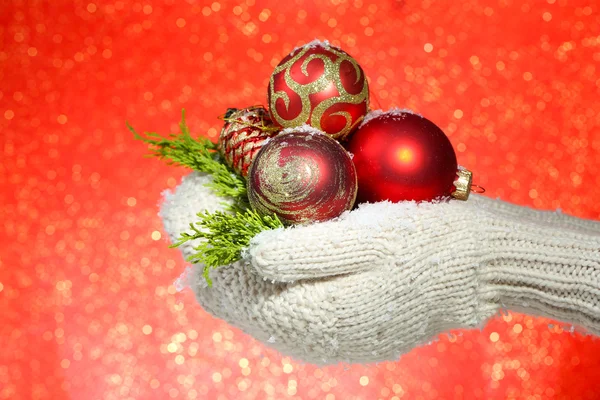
(392, 112)
(303, 128)
(313, 45)
(185, 280)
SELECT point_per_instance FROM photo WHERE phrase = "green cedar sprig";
(199, 154)
(225, 235)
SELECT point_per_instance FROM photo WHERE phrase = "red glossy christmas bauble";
(402, 156)
(319, 85)
(302, 176)
(242, 136)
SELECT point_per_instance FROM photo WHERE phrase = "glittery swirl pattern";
(321, 86)
(302, 177)
(243, 135)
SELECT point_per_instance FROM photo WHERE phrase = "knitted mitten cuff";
(545, 264)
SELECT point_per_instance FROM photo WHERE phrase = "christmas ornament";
(244, 133)
(402, 156)
(302, 175)
(319, 85)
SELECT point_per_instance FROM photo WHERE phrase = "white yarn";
(380, 280)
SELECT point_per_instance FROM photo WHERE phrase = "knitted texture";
(386, 277)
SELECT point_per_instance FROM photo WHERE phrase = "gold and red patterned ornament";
(401, 156)
(319, 85)
(302, 176)
(244, 133)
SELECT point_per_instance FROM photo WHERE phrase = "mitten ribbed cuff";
(545, 270)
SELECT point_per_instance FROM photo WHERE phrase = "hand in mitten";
(386, 277)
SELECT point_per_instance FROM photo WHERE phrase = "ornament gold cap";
(463, 184)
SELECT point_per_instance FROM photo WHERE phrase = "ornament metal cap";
(463, 184)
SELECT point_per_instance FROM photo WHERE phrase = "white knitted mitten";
(384, 278)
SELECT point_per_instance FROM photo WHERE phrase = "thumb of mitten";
(180, 207)
(354, 242)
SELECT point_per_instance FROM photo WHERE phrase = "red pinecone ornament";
(244, 133)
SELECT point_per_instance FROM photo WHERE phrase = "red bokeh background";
(88, 308)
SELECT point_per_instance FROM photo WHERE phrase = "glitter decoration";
(302, 176)
(319, 85)
(244, 133)
(87, 298)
